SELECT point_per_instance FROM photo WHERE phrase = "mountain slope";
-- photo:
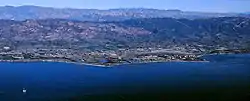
(230, 32)
(200, 34)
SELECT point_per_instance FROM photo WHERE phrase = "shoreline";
(89, 64)
(106, 61)
(50, 61)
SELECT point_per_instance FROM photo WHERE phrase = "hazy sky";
(187, 5)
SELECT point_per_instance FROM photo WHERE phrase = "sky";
(185, 5)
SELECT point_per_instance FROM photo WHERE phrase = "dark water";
(226, 77)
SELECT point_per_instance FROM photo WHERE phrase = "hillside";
(231, 32)
(154, 39)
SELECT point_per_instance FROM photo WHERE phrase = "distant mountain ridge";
(36, 12)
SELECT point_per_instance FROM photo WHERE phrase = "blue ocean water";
(50, 81)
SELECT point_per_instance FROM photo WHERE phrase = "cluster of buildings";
(107, 57)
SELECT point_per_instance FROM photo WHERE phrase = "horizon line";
(114, 8)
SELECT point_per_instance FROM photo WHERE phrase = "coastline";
(111, 65)
(96, 65)
(51, 61)
(111, 60)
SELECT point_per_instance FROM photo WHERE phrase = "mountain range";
(36, 12)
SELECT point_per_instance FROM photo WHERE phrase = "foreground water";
(226, 77)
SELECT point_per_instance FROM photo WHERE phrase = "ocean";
(225, 77)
